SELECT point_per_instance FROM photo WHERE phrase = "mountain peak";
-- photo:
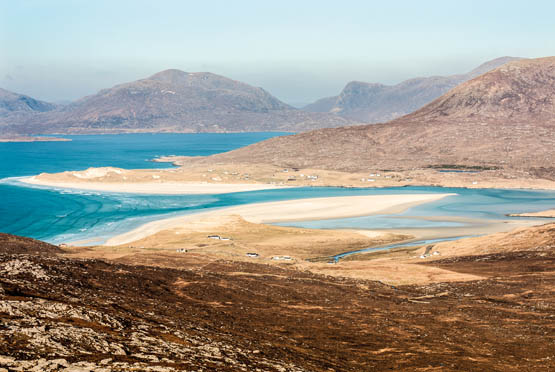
(168, 74)
(177, 77)
(520, 90)
(492, 64)
(198, 80)
(175, 74)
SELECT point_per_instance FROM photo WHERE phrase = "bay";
(61, 215)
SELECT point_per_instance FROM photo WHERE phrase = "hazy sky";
(297, 50)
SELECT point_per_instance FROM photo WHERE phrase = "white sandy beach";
(290, 210)
(165, 188)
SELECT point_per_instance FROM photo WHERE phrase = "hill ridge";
(504, 127)
(376, 102)
(176, 101)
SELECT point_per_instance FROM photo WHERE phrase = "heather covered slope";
(518, 92)
(374, 103)
(503, 119)
(14, 244)
(64, 314)
(177, 101)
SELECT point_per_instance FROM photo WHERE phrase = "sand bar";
(550, 213)
(166, 188)
(290, 210)
(213, 179)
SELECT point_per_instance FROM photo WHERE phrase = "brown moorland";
(61, 313)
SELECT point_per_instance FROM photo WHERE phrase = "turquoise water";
(58, 215)
(131, 151)
(468, 203)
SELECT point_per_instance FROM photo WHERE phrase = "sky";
(299, 50)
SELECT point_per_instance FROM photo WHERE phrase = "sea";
(59, 215)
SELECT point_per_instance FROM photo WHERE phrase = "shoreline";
(33, 139)
(282, 211)
(203, 187)
(198, 188)
(154, 188)
(190, 177)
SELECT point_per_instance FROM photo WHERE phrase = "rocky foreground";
(62, 314)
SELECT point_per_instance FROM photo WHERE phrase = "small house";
(282, 258)
(217, 237)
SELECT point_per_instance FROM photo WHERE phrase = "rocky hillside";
(64, 314)
(13, 103)
(13, 244)
(374, 103)
(503, 119)
(522, 91)
(177, 101)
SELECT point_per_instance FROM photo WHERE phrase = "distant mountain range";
(375, 103)
(177, 101)
(504, 118)
(174, 101)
